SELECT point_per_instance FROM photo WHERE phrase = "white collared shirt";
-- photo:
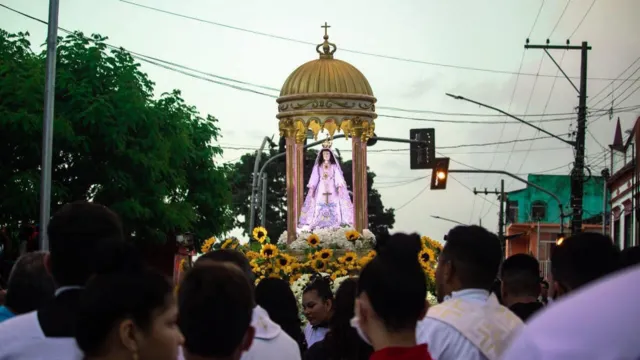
(444, 341)
(599, 322)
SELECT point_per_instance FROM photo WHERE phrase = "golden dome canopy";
(326, 75)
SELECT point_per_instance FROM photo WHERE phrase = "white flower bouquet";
(346, 238)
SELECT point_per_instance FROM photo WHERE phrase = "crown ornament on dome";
(328, 49)
(327, 143)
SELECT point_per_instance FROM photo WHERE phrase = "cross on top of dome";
(327, 48)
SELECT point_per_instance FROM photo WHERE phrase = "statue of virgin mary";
(327, 204)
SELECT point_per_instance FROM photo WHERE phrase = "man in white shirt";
(270, 341)
(84, 239)
(469, 323)
(600, 321)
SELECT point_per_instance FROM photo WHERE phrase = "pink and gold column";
(361, 130)
(294, 133)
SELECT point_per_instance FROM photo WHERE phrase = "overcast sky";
(465, 33)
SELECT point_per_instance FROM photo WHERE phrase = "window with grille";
(538, 211)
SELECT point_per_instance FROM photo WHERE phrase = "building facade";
(623, 187)
(533, 217)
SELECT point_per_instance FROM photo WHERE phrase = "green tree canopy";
(152, 160)
(240, 176)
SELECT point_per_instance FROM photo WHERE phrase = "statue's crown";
(327, 144)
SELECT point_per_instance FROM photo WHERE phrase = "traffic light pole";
(577, 174)
(516, 177)
(501, 217)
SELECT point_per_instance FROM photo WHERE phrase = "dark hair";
(277, 298)
(496, 289)
(520, 274)
(321, 285)
(332, 159)
(545, 284)
(30, 285)
(630, 257)
(80, 236)
(229, 256)
(216, 306)
(583, 258)
(111, 298)
(395, 282)
(475, 255)
(342, 340)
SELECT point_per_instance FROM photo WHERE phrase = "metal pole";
(445, 219)
(604, 208)
(47, 124)
(263, 207)
(254, 185)
(501, 218)
(577, 188)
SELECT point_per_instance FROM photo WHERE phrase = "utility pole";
(47, 124)
(501, 217)
(577, 174)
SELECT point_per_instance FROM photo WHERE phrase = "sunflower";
(348, 258)
(269, 251)
(251, 255)
(319, 265)
(183, 264)
(430, 243)
(260, 234)
(352, 235)
(283, 260)
(324, 254)
(206, 246)
(426, 257)
(227, 244)
(313, 240)
(364, 260)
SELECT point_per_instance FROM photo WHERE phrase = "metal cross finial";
(326, 27)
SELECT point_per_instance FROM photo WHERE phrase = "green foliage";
(240, 175)
(149, 159)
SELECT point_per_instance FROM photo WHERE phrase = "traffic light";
(559, 239)
(440, 174)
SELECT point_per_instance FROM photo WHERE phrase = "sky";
(427, 48)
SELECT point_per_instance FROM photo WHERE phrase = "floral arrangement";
(346, 238)
(270, 260)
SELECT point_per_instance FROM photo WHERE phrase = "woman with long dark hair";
(276, 297)
(342, 341)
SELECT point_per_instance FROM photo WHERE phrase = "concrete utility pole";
(501, 217)
(47, 124)
(577, 174)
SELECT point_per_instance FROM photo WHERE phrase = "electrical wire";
(566, 6)
(260, 33)
(582, 20)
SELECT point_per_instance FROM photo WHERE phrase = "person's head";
(277, 298)
(128, 316)
(30, 285)
(228, 256)
(216, 306)
(327, 155)
(581, 259)
(544, 288)
(81, 235)
(630, 257)
(392, 290)
(520, 275)
(342, 340)
(317, 300)
(470, 259)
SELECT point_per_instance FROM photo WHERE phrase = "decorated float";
(326, 228)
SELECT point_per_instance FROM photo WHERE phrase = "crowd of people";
(92, 297)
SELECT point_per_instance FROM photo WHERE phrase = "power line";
(412, 199)
(255, 32)
(566, 6)
(581, 20)
(182, 69)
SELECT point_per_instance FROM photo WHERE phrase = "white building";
(623, 187)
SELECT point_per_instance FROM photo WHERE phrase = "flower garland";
(346, 238)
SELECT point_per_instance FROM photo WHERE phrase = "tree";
(240, 177)
(152, 160)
